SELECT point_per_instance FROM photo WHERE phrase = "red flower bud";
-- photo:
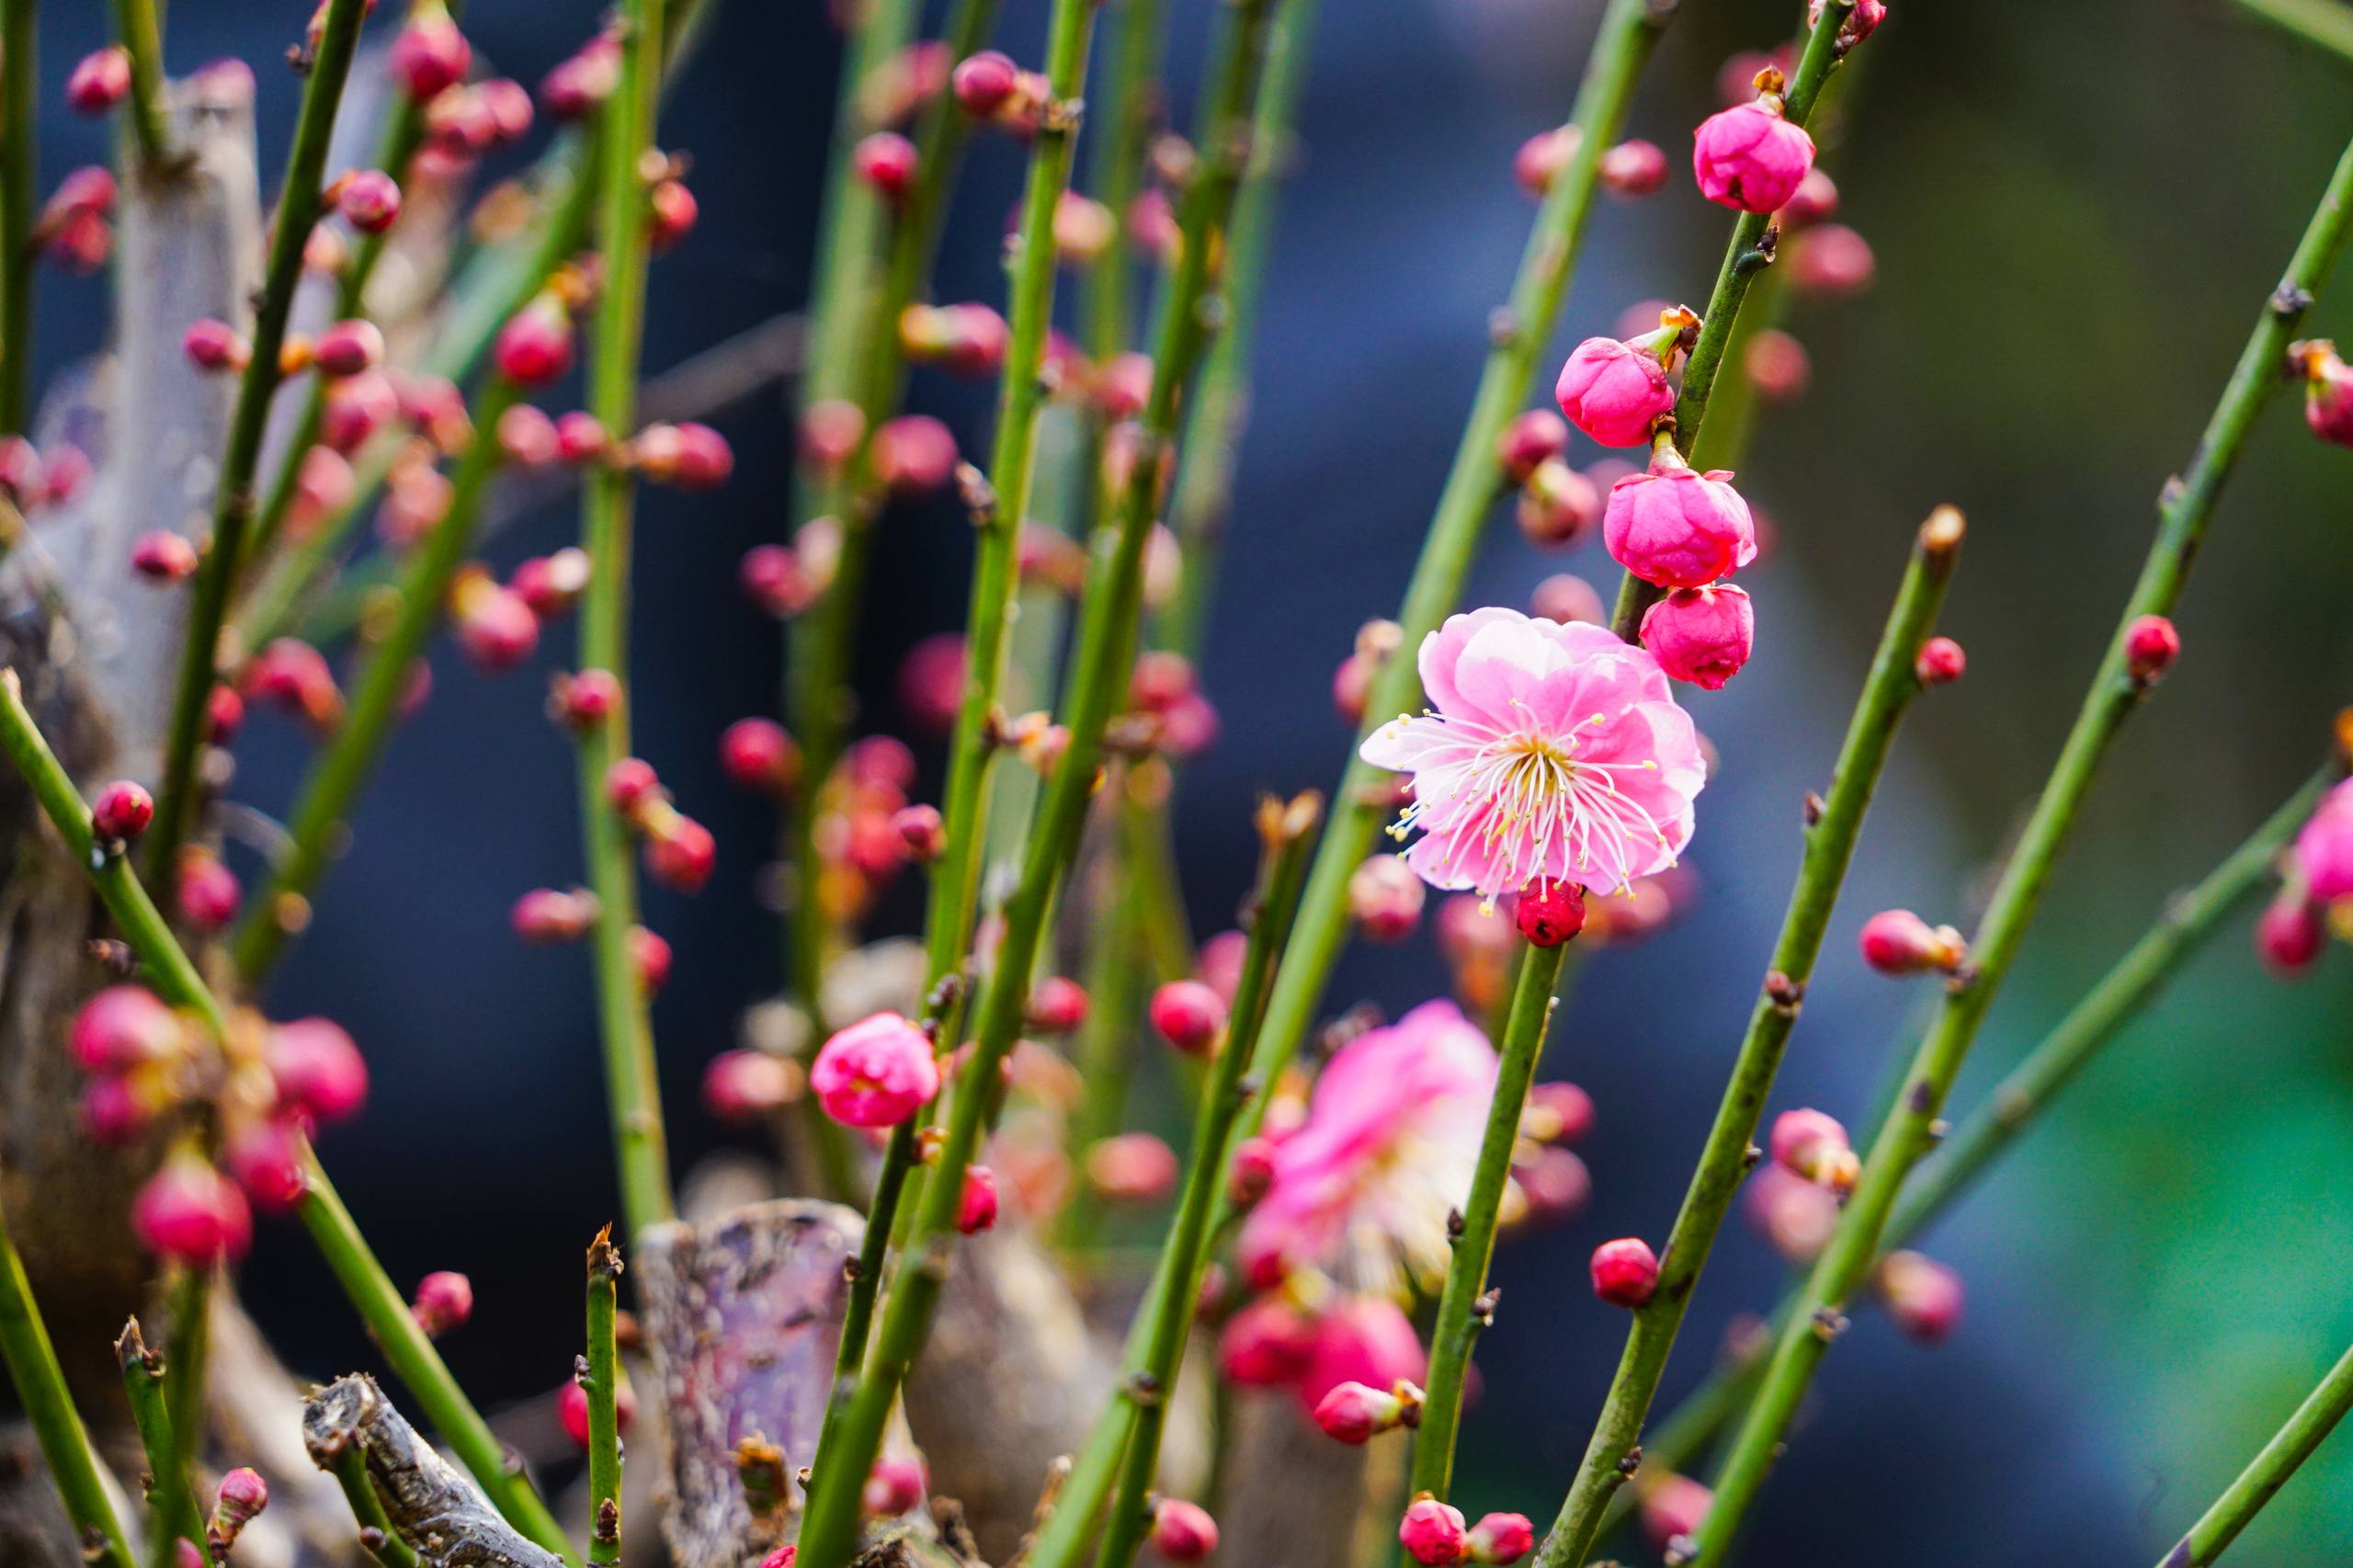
(976, 1209)
(1535, 436)
(1432, 1533)
(894, 1486)
(1188, 1016)
(886, 161)
(913, 455)
(2151, 645)
(1500, 1538)
(1356, 1414)
(2288, 934)
(318, 1070)
(1810, 1145)
(430, 53)
(1131, 1167)
(1923, 1296)
(356, 407)
(225, 715)
(680, 853)
(1542, 158)
(1549, 914)
(213, 344)
(1385, 899)
(122, 1027)
(122, 811)
(982, 82)
(757, 753)
(445, 1300)
(1252, 1172)
(208, 891)
(1896, 941)
(1557, 505)
(740, 1087)
(190, 1213)
(1625, 1271)
(649, 955)
(674, 211)
(572, 1411)
(1182, 1531)
(1057, 1005)
(630, 784)
(369, 200)
(526, 435)
(830, 432)
(242, 1498)
(1831, 261)
(347, 348)
(575, 87)
(1940, 661)
(535, 346)
(99, 81)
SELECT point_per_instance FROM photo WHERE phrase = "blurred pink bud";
(508, 105)
(649, 957)
(757, 753)
(1633, 169)
(1385, 899)
(1188, 1016)
(876, 1073)
(976, 1207)
(1532, 437)
(782, 1557)
(2151, 646)
(293, 675)
(122, 810)
(913, 455)
(113, 1113)
(444, 1300)
(190, 1213)
(1365, 1339)
(163, 556)
(2288, 934)
(674, 211)
(1057, 1004)
(1625, 1271)
(1940, 661)
(1557, 506)
(2322, 858)
(1182, 1531)
(526, 435)
(747, 1085)
(894, 1486)
(881, 762)
(89, 189)
(1083, 229)
(213, 344)
(1267, 1344)
(1675, 527)
(225, 715)
(1831, 261)
(1355, 1414)
(1500, 1538)
(1896, 941)
(1923, 1296)
(2328, 392)
(356, 407)
(982, 82)
(1612, 389)
(369, 200)
(1131, 1167)
(1219, 963)
(1549, 912)
(1557, 1112)
(922, 832)
(430, 53)
(535, 346)
(1673, 1508)
(1432, 1533)
(584, 701)
(1555, 1185)
(122, 1027)
(99, 81)
(1703, 635)
(575, 87)
(1749, 157)
(1122, 387)
(553, 914)
(1542, 158)
(1777, 366)
(931, 682)
(209, 890)
(886, 161)
(347, 348)
(66, 468)
(680, 853)
(1816, 199)
(1566, 597)
(830, 432)
(493, 625)
(1251, 1172)
(1813, 1146)
(318, 1070)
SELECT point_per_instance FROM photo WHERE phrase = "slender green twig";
(324, 798)
(1630, 29)
(168, 1491)
(2184, 508)
(2326, 23)
(2268, 1471)
(20, 91)
(2188, 921)
(177, 980)
(1834, 823)
(376, 1532)
(632, 1082)
(1105, 651)
(40, 1383)
(141, 31)
(233, 507)
(602, 1384)
(1122, 1452)
(1133, 104)
(1750, 253)
(1463, 1309)
(188, 1350)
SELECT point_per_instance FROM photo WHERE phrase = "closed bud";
(1252, 1172)
(1554, 1186)
(1625, 1271)
(1131, 1167)
(632, 785)
(357, 408)
(1534, 436)
(757, 753)
(1896, 941)
(976, 1207)
(1940, 661)
(740, 1086)
(1385, 899)
(894, 1486)
(1673, 1508)
(1433, 1532)
(291, 674)
(1677, 527)
(1777, 366)
(213, 344)
(1355, 1414)
(1568, 599)
(680, 853)
(886, 161)
(580, 438)
(1121, 387)
(1815, 198)
(1751, 157)
(1182, 1531)
(190, 1213)
(494, 628)
(1549, 912)
(1083, 229)
(1542, 158)
(99, 81)
(830, 432)
(1557, 1112)
(913, 455)
(572, 1411)
(317, 1068)
(209, 890)
(1057, 1005)
(575, 87)
(1633, 169)
(922, 832)
(242, 1495)
(1832, 261)
(983, 81)
(369, 200)
(124, 1027)
(1703, 635)
(526, 435)
(430, 55)
(444, 1300)
(877, 1072)
(1808, 1143)
(535, 346)
(1557, 506)
(121, 811)
(2151, 645)
(265, 1159)
(347, 348)
(1923, 1296)
(1614, 389)
(553, 914)
(1500, 1538)
(1188, 1016)
(2288, 934)
(672, 213)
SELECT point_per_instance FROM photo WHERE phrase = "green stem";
(1830, 838)
(376, 1531)
(233, 505)
(2288, 1448)
(141, 33)
(633, 1081)
(328, 789)
(1750, 253)
(1133, 104)
(2324, 23)
(2184, 508)
(1118, 976)
(19, 197)
(1129, 1434)
(168, 1493)
(177, 980)
(602, 1384)
(1104, 654)
(189, 1352)
(1461, 1315)
(40, 1383)
(1630, 31)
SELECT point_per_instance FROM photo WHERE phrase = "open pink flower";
(1391, 1134)
(1556, 752)
(877, 1072)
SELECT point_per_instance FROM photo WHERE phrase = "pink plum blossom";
(1678, 528)
(1613, 390)
(876, 1073)
(1749, 157)
(1555, 752)
(2324, 850)
(1703, 635)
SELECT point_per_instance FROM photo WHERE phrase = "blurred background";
(2077, 211)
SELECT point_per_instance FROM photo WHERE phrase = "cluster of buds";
(860, 838)
(74, 229)
(877, 1072)
(33, 480)
(2316, 890)
(1632, 169)
(1433, 1533)
(679, 851)
(1549, 1180)
(1169, 714)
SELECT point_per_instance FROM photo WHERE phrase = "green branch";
(2184, 508)
(233, 505)
(2324, 23)
(368, 1510)
(602, 1385)
(168, 1491)
(140, 28)
(1830, 836)
(2271, 1469)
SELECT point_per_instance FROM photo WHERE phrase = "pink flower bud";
(369, 200)
(2287, 933)
(1816, 200)
(347, 348)
(1612, 390)
(572, 1411)
(757, 753)
(2322, 856)
(886, 161)
(922, 832)
(691, 457)
(1633, 169)
(1810, 1144)
(99, 81)
(1385, 899)
(493, 625)
(1673, 1508)
(673, 212)
(1355, 1414)
(242, 1498)
(1749, 157)
(209, 890)
(1132, 1167)
(213, 344)
(122, 1027)
(1858, 25)
(1831, 261)
(830, 432)
(1252, 1172)
(292, 674)
(1433, 1532)
(1122, 388)
(1542, 158)
(1083, 229)
(632, 785)
(1557, 1112)
(782, 1557)
(1549, 913)
(740, 1087)
(67, 470)
(225, 715)
(1675, 527)
(190, 1213)
(1557, 506)
(1267, 1344)
(1896, 941)
(976, 1208)
(535, 346)
(444, 1300)
(356, 407)
(1535, 436)
(1219, 963)
(526, 435)
(580, 438)
(1940, 661)
(89, 189)
(574, 88)
(1057, 1005)
(983, 81)
(430, 53)
(913, 455)
(114, 1112)
(1777, 366)
(895, 1485)
(1554, 1186)
(1625, 1271)
(1501, 1539)
(1182, 1531)
(876, 1073)
(318, 1070)
(2151, 645)
(680, 853)
(553, 914)
(1923, 1296)
(1188, 1016)
(1567, 599)
(1703, 635)
(508, 105)
(121, 811)
(1795, 1215)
